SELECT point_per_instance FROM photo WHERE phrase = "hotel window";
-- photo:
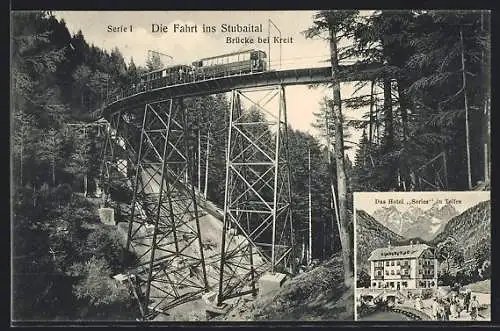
(374, 284)
(398, 262)
(420, 272)
(392, 272)
(406, 262)
(387, 272)
(387, 263)
(392, 262)
(379, 273)
(397, 272)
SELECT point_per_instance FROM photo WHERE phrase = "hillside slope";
(471, 229)
(318, 294)
(370, 235)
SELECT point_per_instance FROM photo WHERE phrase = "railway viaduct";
(146, 147)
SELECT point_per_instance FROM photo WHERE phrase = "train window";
(164, 73)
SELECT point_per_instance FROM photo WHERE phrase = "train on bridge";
(236, 63)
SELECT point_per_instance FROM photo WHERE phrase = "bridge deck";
(227, 83)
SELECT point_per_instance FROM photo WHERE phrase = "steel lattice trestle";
(151, 155)
(164, 229)
(257, 233)
(118, 154)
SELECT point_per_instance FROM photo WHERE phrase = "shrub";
(96, 285)
(105, 243)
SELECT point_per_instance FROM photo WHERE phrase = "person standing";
(460, 306)
(467, 300)
(435, 309)
(453, 307)
(420, 304)
(446, 309)
(474, 308)
(181, 72)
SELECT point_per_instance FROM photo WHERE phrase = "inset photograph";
(422, 256)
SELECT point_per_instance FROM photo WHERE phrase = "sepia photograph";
(205, 165)
(423, 256)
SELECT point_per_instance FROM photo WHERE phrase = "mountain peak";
(416, 222)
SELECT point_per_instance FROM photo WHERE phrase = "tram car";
(230, 64)
(163, 77)
(211, 67)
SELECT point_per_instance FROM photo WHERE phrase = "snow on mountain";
(416, 222)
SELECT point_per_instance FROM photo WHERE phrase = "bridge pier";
(163, 223)
(257, 229)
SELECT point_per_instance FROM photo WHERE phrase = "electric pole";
(309, 255)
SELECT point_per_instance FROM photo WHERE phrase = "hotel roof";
(398, 252)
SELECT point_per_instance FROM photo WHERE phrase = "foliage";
(449, 251)
(420, 52)
(104, 243)
(363, 279)
(96, 285)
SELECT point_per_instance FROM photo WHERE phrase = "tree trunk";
(21, 160)
(403, 106)
(333, 202)
(370, 122)
(389, 120)
(205, 188)
(466, 105)
(345, 239)
(53, 166)
(85, 185)
(486, 101)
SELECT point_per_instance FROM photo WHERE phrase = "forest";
(427, 128)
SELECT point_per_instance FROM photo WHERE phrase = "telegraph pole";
(309, 255)
(199, 161)
(269, 23)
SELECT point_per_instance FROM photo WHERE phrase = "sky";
(186, 47)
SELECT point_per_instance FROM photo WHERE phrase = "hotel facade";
(406, 267)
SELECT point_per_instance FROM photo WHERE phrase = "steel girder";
(258, 231)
